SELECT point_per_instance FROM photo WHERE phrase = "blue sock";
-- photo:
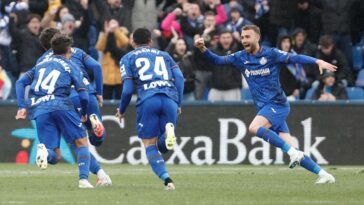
(52, 157)
(310, 165)
(162, 144)
(94, 165)
(157, 162)
(273, 139)
(83, 160)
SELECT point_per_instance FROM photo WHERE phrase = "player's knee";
(149, 142)
(253, 128)
(82, 142)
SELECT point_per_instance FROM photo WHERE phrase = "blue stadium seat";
(357, 53)
(355, 93)
(309, 93)
(245, 94)
(360, 79)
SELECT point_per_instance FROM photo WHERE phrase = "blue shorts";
(93, 108)
(276, 114)
(50, 127)
(153, 115)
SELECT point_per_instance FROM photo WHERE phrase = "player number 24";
(49, 82)
(159, 68)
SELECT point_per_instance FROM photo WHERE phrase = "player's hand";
(84, 118)
(325, 65)
(200, 44)
(119, 115)
(100, 99)
(21, 114)
(179, 111)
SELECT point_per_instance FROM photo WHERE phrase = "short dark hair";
(61, 43)
(30, 17)
(46, 37)
(255, 28)
(142, 36)
(326, 41)
(209, 13)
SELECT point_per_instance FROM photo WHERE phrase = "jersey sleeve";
(125, 69)
(280, 56)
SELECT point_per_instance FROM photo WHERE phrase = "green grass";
(194, 185)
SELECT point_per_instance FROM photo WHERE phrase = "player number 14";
(49, 82)
(159, 68)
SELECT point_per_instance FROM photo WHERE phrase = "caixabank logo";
(29, 141)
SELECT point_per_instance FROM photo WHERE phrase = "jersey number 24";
(144, 65)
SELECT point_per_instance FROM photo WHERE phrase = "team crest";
(263, 61)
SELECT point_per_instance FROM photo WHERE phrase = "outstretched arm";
(25, 80)
(303, 59)
(212, 57)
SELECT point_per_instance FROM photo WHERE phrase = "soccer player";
(159, 84)
(50, 106)
(259, 65)
(85, 62)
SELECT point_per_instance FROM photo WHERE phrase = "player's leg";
(167, 124)
(49, 138)
(148, 130)
(94, 124)
(269, 118)
(71, 127)
(103, 179)
(308, 163)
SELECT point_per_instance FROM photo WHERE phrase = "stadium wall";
(210, 134)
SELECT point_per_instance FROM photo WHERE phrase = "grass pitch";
(23, 184)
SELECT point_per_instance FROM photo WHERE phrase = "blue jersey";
(261, 71)
(79, 58)
(151, 69)
(51, 85)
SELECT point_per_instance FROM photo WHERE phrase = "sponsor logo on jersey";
(261, 72)
(159, 83)
(41, 99)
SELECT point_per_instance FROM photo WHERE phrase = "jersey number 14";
(49, 82)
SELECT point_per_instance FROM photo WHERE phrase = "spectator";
(336, 22)
(210, 31)
(177, 48)
(292, 76)
(308, 17)
(329, 89)
(216, 8)
(226, 80)
(5, 85)
(281, 18)
(112, 42)
(301, 45)
(53, 17)
(78, 31)
(237, 22)
(329, 53)
(26, 42)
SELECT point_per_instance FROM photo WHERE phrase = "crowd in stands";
(331, 30)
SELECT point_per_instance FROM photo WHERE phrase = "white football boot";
(84, 184)
(325, 179)
(170, 136)
(97, 125)
(103, 179)
(296, 159)
(41, 157)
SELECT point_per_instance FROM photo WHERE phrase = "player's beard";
(251, 48)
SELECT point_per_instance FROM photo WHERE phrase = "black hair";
(46, 37)
(142, 36)
(61, 43)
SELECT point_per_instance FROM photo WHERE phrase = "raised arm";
(212, 57)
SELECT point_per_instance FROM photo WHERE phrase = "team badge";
(263, 61)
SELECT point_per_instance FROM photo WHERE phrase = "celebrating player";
(160, 90)
(259, 65)
(50, 106)
(84, 62)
